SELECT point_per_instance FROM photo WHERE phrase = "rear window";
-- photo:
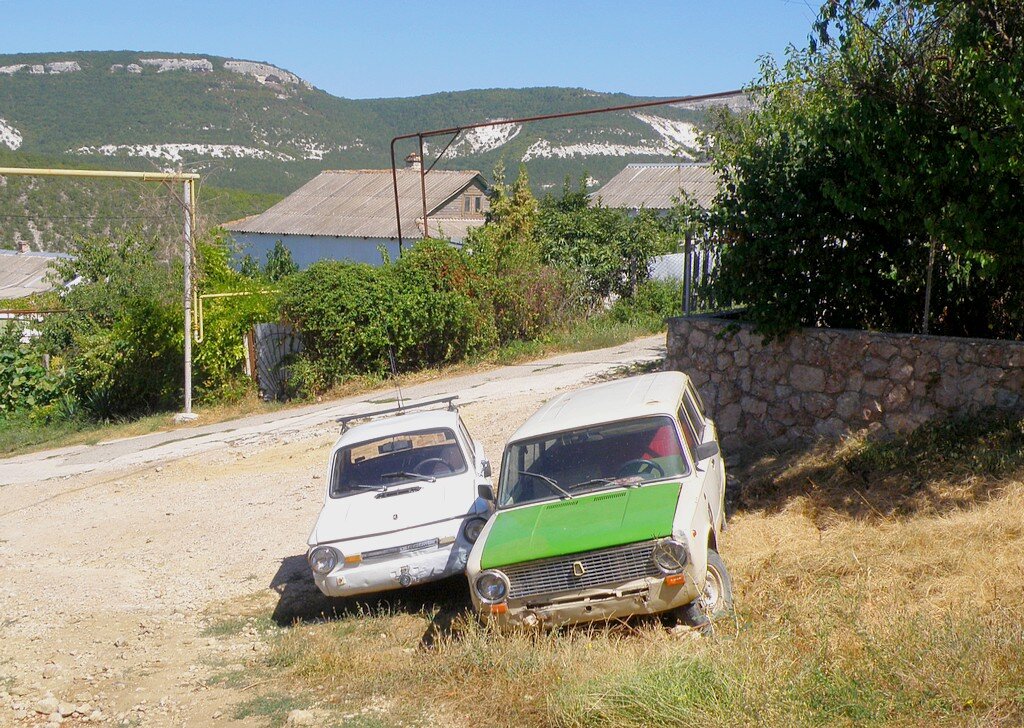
(396, 459)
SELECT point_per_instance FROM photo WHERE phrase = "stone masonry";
(828, 382)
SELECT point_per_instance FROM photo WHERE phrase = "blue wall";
(308, 249)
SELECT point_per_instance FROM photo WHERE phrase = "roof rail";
(401, 409)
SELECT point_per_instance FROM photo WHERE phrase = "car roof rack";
(399, 410)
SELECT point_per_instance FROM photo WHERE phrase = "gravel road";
(116, 558)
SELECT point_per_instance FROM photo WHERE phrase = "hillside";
(252, 126)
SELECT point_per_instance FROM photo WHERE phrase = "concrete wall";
(308, 249)
(826, 382)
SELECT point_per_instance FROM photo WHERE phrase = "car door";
(705, 431)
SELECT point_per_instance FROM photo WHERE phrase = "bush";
(426, 308)
(653, 302)
(25, 383)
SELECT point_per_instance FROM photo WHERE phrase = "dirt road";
(117, 561)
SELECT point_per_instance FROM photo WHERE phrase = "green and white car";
(611, 502)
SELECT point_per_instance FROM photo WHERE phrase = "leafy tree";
(279, 263)
(877, 184)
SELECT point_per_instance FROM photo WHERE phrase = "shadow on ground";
(299, 600)
(942, 466)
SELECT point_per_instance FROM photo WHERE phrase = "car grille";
(562, 573)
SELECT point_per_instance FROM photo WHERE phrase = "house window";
(477, 203)
(467, 201)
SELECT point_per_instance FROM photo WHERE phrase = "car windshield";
(411, 457)
(610, 455)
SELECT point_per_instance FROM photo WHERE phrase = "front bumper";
(395, 571)
(649, 595)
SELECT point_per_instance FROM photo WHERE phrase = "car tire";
(716, 599)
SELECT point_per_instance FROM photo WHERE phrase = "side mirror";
(707, 450)
(485, 491)
(485, 468)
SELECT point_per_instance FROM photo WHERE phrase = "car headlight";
(670, 556)
(491, 587)
(473, 528)
(323, 559)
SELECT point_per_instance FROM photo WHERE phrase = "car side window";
(695, 396)
(695, 416)
(689, 435)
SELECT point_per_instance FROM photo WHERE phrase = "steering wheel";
(640, 467)
(431, 465)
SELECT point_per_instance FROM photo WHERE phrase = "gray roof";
(22, 274)
(360, 204)
(653, 186)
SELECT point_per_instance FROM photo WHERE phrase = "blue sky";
(388, 48)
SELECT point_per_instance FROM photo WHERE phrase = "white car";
(610, 503)
(401, 506)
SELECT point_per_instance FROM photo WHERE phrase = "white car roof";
(622, 399)
(397, 424)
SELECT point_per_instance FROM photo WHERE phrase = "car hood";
(580, 524)
(366, 514)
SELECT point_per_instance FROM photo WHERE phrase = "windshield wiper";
(593, 481)
(364, 486)
(407, 474)
(549, 481)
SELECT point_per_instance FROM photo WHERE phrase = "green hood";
(581, 524)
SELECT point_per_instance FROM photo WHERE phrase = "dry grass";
(898, 603)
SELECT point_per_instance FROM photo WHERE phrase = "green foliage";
(653, 302)
(122, 339)
(279, 263)
(25, 382)
(897, 133)
(606, 250)
(425, 308)
(525, 295)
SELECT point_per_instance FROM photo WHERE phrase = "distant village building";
(24, 273)
(349, 214)
(658, 186)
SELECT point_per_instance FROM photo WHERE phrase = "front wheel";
(716, 599)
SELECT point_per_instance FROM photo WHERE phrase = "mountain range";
(252, 126)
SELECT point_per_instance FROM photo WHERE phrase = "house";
(658, 186)
(24, 273)
(350, 214)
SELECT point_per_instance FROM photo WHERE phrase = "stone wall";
(827, 382)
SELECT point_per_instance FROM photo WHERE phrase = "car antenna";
(394, 376)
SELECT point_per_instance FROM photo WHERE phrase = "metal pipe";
(98, 173)
(423, 190)
(421, 135)
(187, 191)
(394, 182)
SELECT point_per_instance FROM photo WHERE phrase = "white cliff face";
(193, 65)
(174, 152)
(9, 136)
(484, 139)
(57, 67)
(265, 73)
(677, 133)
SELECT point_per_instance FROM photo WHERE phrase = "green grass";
(274, 707)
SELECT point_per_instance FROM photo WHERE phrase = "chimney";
(413, 161)
(23, 246)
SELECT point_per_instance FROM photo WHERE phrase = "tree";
(279, 263)
(879, 161)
